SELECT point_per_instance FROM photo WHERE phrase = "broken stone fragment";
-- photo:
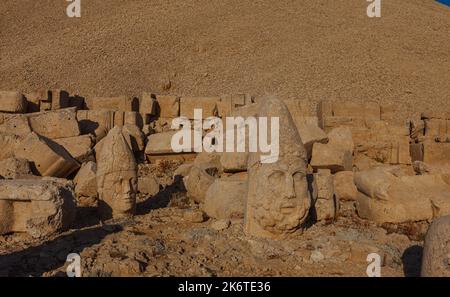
(14, 124)
(199, 180)
(38, 207)
(55, 124)
(326, 156)
(13, 102)
(208, 106)
(228, 103)
(194, 216)
(8, 145)
(168, 106)
(225, 198)
(86, 185)
(436, 153)
(47, 158)
(341, 137)
(386, 198)
(96, 122)
(148, 104)
(436, 251)
(183, 170)
(14, 168)
(116, 177)
(60, 99)
(148, 185)
(234, 162)
(119, 103)
(326, 205)
(310, 134)
(134, 137)
(34, 100)
(344, 186)
(79, 147)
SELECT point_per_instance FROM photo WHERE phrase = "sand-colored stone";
(326, 205)
(55, 124)
(47, 158)
(118, 103)
(148, 185)
(208, 105)
(116, 177)
(436, 251)
(168, 106)
(134, 137)
(96, 122)
(436, 153)
(13, 102)
(148, 104)
(228, 103)
(8, 144)
(86, 184)
(225, 198)
(341, 137)
(38, 207)
(79, 147)
(14, 124)
(327, 156)
(34, 100)
(14, 168)
(344, 186)
(384, 197)
(278, 201)
(60, 99)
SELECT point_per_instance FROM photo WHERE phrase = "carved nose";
(290, 189)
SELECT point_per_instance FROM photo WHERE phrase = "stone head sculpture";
(116, 176)
(278, 200)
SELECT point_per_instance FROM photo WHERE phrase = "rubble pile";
(61, 153)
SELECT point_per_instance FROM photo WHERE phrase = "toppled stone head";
(278, 200)
(116, 177)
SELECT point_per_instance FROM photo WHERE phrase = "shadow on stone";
(412, 261)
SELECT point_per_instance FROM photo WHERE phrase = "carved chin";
(284, 220)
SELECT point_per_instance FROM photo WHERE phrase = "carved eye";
(299, 176)
(276, 178)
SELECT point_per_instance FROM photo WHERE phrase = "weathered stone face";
(436, 252)
(284, 196)
(278, 201)
(116, 176)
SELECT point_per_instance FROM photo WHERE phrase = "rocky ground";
(170, 237)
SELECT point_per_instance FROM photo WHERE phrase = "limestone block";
(14, 168)
(436, 153)
(341, 138)
(34, 100)
(96, 122)
(118, 103)
(234, 162)
(225, 198)
(60, 99)
(55, 124)
(8, 145)
(344, 186)
(14, 124)
(47, 158)
(326, 156)
(148, 104)
(79, 147)
(168, 106)
(208, 105)
(13, 102)
(38, 207)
